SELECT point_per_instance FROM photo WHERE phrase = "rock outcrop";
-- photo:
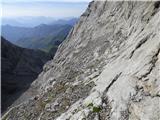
(108, 68)
(20, 67)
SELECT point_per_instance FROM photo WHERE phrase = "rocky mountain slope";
(108, 68)
(45, 41)
(40, 37)
(19, 67)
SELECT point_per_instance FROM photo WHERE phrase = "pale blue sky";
(50, 8)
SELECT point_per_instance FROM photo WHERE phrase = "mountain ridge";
(42, 37)
(19, 68)
(33, 21)
(28, 32)
(58, 33)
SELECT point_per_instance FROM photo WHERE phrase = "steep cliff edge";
(107, 68)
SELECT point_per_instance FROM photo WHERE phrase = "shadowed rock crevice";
(152, 62)
(139, 45)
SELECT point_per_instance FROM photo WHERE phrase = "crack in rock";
(112, 82)
(143, 41)
(152, 62)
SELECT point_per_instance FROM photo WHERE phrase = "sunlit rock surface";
(108, 68)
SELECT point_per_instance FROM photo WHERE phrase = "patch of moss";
(96, 109)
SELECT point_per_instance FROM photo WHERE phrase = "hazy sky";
(51, 8)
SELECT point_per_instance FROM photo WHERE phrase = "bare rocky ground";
(108, 68)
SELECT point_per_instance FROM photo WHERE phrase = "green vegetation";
(95, 109)
(90, 105)
(45, 37)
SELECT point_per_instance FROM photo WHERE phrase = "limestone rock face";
(108, 68)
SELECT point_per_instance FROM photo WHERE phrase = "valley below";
(19, 68)
(24, 55)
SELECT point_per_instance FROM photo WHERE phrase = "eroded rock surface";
(108, 68)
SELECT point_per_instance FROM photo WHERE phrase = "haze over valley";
(43, 36)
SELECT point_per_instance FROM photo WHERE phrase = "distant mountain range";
(27, 21)
(21, 64)
(19, 67)
(35, 21)
(42, 37)
(71, 21)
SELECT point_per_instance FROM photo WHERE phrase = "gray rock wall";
(108, 68)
